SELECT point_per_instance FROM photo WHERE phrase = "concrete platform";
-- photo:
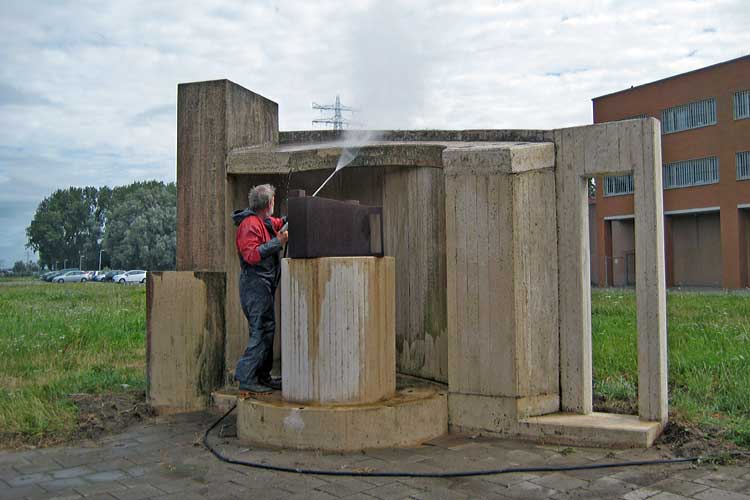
(414, 415)
(594, 429)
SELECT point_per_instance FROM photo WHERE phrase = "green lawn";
(62, 339)
(57, 340)
(709, 352)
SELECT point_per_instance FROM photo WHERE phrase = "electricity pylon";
(337, 120)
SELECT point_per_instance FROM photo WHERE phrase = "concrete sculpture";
(487, 231)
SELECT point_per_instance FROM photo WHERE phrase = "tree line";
(129, 227)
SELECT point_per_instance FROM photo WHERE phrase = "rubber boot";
(254, 390)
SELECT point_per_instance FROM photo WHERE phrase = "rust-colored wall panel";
(623, 248)
(696, 250)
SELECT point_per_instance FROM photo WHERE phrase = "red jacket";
(251, 234)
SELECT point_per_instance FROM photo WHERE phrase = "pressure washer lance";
(347, 156)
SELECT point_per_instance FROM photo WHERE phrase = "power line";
(337, 120)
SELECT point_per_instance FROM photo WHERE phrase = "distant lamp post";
(65, 264)
(100, 258)
(56, 264)
(80, 262)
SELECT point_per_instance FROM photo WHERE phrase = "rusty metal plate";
(321, 227)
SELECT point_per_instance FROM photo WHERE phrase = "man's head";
(260, 198)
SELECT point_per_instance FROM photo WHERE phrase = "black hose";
(485, 472)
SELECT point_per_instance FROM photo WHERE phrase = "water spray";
(347, 156)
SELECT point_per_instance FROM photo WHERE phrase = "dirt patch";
(682, 438)
(623, 407)
(102, 414)
(98, 415)
(689, 440)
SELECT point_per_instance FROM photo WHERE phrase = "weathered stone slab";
(185, 339)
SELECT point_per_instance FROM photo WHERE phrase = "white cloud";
(88, 89)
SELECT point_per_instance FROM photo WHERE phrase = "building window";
(688, 116)
(743, 165)
(696, 172)
(742, 104)
(618, 184)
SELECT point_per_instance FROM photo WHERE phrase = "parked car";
(99, 276)
(135, 276)
(111, 274)
(44, 276)
(72, 277)
(55, 274)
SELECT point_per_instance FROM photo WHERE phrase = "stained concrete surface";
(163, 459)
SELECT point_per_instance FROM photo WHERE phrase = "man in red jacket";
(259, 240)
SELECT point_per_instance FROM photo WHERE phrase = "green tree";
(140, 225)
(67, 225)
(19, 267)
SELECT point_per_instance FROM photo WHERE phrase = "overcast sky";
(88, 89)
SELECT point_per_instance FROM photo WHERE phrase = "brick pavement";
(164, 460)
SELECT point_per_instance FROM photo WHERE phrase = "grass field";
(57, 340)
(709, 357)
(63, 339)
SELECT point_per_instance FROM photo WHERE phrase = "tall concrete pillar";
(651, 294)
(212, 118)
(503, 344)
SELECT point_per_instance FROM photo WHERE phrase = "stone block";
(184, 339)
(502, 287)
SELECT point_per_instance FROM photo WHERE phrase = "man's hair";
(260, 196)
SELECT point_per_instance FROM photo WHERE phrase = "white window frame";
(692, 172)
(741, 104)
(689, 116)
(618, 185)
(742, 161)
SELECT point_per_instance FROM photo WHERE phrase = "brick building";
(705, 121)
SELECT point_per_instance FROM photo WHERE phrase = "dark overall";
(257, 291)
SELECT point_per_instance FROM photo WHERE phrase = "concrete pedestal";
(338, 361)
(409, 418)
(339, 332)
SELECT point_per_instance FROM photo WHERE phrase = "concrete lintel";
(472, 135)
(612, 148)
(326, 156)
(743, 205)
(498, 158)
